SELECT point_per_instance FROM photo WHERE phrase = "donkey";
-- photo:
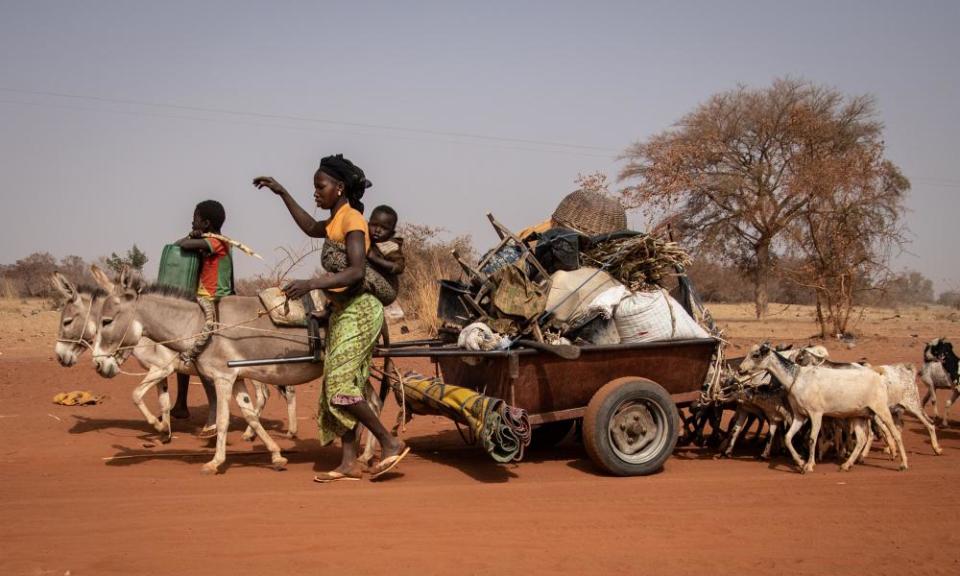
(79, 324)
(168, 315)
(816, 391)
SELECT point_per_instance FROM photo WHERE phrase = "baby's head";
(383, 223)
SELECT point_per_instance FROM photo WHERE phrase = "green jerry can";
(179, 268)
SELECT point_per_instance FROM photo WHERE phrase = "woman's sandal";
(208, 431)
(333, 476)
(388, 464)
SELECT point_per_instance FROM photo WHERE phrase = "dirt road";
(449, 510)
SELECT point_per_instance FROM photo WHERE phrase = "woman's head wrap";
(354, 181)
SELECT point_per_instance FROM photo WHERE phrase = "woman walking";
(356, 319)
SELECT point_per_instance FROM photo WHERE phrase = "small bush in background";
(429, 259)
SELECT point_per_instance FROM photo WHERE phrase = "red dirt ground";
(450, 509)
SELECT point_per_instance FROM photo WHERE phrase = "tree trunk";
(821, 321)
(760, 279)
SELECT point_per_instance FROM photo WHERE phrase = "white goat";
(816, 391)
(901, 382)
(770, 404)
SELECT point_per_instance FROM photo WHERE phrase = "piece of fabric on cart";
(516, 295)
(503, 431)
(333, 257)
(607, 301)
(354, 328)
(478, 336)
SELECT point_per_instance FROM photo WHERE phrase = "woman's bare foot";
(340, 473)
(396, 447)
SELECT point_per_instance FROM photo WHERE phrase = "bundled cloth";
(503, 431)
(478, 336)
(639, 261)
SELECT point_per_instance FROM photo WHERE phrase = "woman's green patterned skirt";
(354, 327)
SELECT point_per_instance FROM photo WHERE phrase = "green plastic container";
(179, 268)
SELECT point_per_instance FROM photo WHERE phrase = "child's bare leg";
(180, 410)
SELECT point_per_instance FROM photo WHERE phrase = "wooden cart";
(628, 395)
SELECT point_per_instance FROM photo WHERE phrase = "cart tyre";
(549, 434)
(630, 427)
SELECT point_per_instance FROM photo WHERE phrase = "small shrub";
(428, 260)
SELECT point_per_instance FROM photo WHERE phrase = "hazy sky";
(117, 117)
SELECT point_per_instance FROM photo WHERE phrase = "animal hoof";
(903, 467)
(248, 437)
(938, 451)
(291, 435)
(279, 463)
(208, 469)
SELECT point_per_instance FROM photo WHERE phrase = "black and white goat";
(940, 371)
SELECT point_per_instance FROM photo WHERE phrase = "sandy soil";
(449, 509)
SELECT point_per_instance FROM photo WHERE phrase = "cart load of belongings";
(580, 278)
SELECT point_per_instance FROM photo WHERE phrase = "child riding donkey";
(215, 281)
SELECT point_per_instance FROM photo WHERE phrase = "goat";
(940, 371)
(815, 391)
(759, 397)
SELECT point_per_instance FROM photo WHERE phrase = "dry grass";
(428, 260)
(8, 289)
(794, 322)
(423, 291)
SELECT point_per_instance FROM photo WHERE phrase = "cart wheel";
(549, 434)
(630, 427)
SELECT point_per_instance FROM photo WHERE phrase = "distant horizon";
(116, 117)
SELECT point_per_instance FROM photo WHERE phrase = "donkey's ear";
(101, 278)
(64, 286)
(130, 279)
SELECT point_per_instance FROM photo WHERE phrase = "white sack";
(576, 289)
(653, 316)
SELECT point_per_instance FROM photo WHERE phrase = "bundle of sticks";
(640, 262)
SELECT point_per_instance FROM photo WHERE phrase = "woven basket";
(592, 213)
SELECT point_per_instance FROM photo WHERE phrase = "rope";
(397, 384)
(673, 317)
(403, 401)
(83, 331)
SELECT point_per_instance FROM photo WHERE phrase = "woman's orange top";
(348, 219)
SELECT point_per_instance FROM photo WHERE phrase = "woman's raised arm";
(306, 222)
